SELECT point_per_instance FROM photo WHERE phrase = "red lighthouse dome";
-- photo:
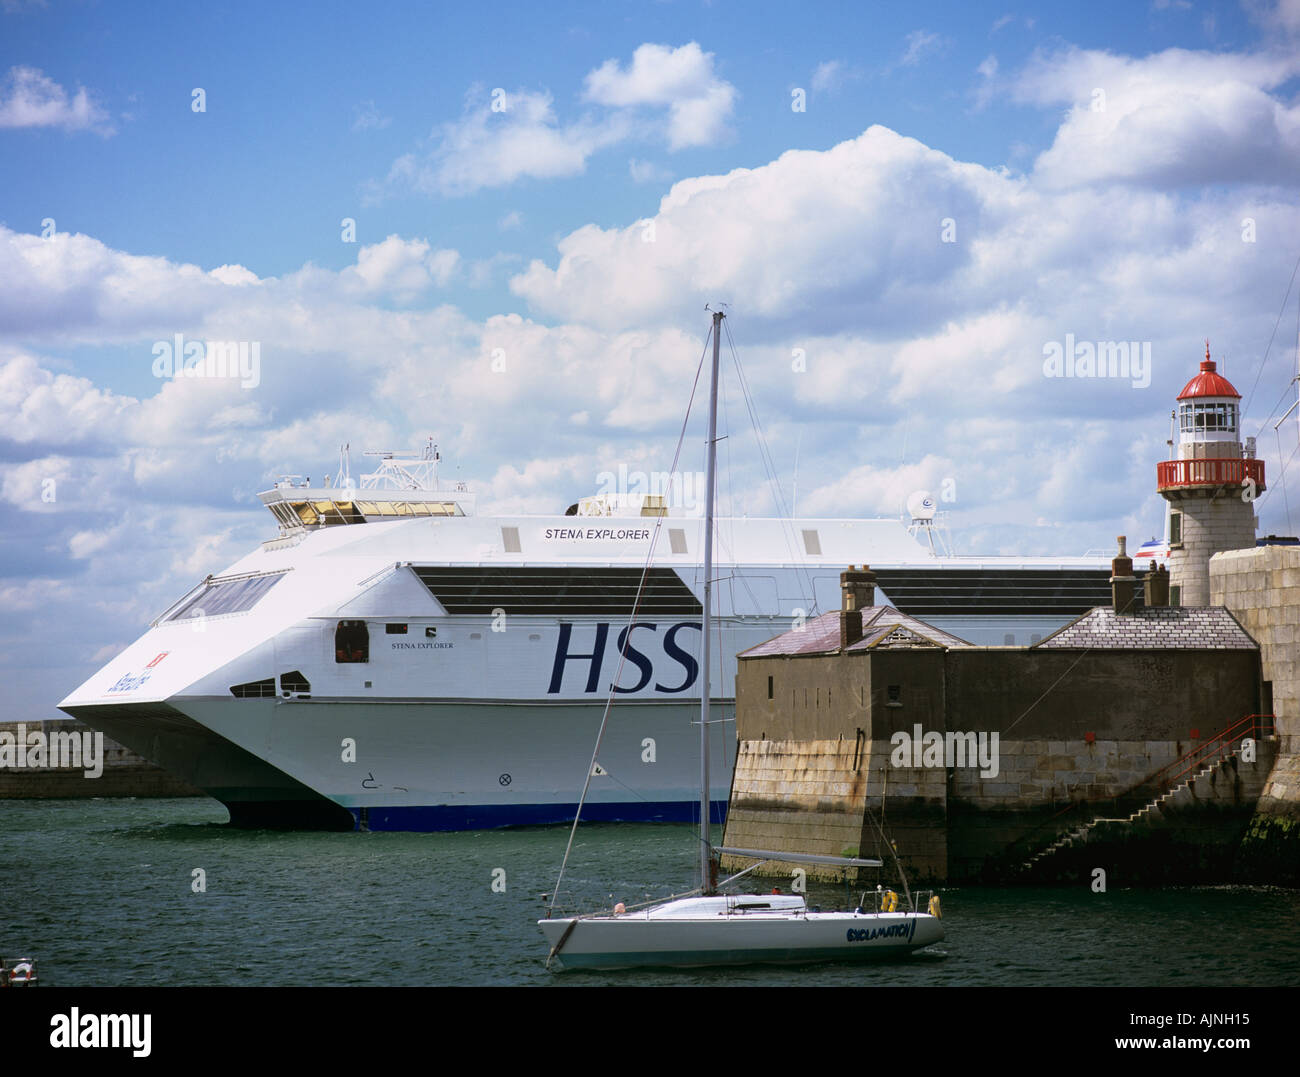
(1208, 382)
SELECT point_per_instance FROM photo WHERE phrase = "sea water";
(162, 892)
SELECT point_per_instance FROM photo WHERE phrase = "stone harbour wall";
(125, 774)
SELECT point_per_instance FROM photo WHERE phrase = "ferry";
(391, 660)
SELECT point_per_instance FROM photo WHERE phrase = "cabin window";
(294, 681)
(395, 629)
(254, 689)
(352, 642)
(1008, 639)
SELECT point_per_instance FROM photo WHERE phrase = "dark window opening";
(395, 630)
(254, 689)
(894, 693)
(352, 642)
(769, 688)
(593, 592)
(294, 681)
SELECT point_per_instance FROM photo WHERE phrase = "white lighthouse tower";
(1211, 484)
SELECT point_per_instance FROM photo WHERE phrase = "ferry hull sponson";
(255, 793)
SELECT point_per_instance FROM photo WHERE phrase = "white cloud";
(510, 221)
(486, 148)
(1174, 119)
(919, 43)
(30, 99)
(682, 79)
(400, 268)
(829, 77)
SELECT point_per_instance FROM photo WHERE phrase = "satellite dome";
(921, 505)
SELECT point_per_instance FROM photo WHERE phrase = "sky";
(499, 226)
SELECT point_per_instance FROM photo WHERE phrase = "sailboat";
(707, 927)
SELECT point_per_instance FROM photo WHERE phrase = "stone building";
(976, 759)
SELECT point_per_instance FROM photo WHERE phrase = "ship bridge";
(404, 485)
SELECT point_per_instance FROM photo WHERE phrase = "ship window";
(226, 596)
(677, 539)
(352, 642)
(294, 681)
(395, 629)
(812, 543)
(254, 689)
(510, 540)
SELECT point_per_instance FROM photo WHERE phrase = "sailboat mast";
(706, 846)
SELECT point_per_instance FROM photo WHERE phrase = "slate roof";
(882, 627)
(1157, 628)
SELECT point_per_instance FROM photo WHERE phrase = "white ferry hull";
(490, 648)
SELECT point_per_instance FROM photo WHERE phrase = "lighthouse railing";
(1210, 471)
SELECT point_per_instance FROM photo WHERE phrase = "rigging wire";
(636, 606)
(1264, 361)
(798, 557)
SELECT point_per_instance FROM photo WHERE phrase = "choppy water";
(101, 893)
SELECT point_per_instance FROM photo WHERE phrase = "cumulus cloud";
(489, 148)
(683, 80)
(1173, 119)
(401, 268)
(29, 98)
(503, 137)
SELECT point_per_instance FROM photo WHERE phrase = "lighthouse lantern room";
(1211, 484)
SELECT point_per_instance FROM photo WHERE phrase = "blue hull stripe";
(492, 816)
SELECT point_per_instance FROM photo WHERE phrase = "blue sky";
(1098, 166)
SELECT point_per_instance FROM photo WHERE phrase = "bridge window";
(395, 629)
(352, 642)
(226, 596)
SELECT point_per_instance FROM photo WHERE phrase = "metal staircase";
(1178, 775)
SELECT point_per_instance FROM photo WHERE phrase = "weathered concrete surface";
(125, 774)
(1261, 586)
(1081, 734)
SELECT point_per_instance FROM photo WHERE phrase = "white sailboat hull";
(635, 940)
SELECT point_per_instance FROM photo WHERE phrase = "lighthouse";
(1211, 484)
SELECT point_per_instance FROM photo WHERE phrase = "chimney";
(1122, 581)
(857, 593)
(1156, 586)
